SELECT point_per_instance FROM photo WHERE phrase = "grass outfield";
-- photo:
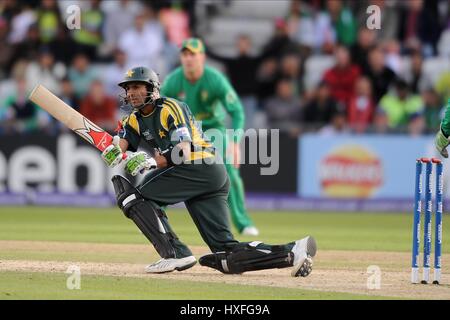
(343, 231)
(347, 231)
(16, 285)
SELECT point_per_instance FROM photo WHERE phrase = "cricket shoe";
(169, 265)
(304, 249)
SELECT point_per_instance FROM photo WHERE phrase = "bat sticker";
(94, 135)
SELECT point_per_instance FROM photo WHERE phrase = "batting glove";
(112, 155)
(138, 162)
(441, 142)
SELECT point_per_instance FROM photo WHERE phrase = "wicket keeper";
(210, 97)
(183, 169)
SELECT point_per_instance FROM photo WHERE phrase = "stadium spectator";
(9, 9)
(21, 115)
(114, 73)
(290, 67)
(380, 75)
(125, 12)
(63, 47)
(380, 123)
(20, 23)
(360, 50)
(6, 49)
(280, 43)
(45, 71)
(81, 74)
(89, 36)
(414, 75)
(399, 104)
(176, 23)
(49, 20)
(144, 42)
(29, 48)
(324, 34)
(343, 21)
(342, 77)
(241, 70)
(100, 108)
(419, 26)
(67, 94)
(416, 124)
(361, 106)
(266, 79)
(283, 109)
(442, 85)
(301, 24)
(321, 109)
(337, 125)
(392, 56)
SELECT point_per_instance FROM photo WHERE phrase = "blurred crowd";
(365, 81)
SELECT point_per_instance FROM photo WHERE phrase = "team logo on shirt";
(204, 95)
(147, 135)
(231, 97)
(162, 134)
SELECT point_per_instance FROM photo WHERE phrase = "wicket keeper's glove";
(441, 142)
(138, 162)
(112, 155)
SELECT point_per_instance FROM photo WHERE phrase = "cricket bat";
(72, 119)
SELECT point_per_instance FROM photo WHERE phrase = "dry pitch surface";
(335, 271)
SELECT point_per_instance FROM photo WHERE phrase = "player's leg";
(236, 202)
(236, 197)
(153, 223)
(210, 215)
(259, 256)
(174, 185)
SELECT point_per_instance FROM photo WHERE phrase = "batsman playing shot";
(184, 169)
(210, 97)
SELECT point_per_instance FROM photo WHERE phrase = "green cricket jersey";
(170, 123)
(209, 98)
(445, 124)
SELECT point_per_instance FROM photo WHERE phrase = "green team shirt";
(170, 123)
(445, 124)
(209, 98)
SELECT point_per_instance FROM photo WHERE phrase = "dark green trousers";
(204, 190)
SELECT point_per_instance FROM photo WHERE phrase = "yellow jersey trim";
(133, 122)
(164, 117)
(176, 108)
(196, 137)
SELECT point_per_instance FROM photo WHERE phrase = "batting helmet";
(141, 74)
(146, 76)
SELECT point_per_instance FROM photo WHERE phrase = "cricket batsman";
(442, 139)
(184, 169)
(210, 97)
